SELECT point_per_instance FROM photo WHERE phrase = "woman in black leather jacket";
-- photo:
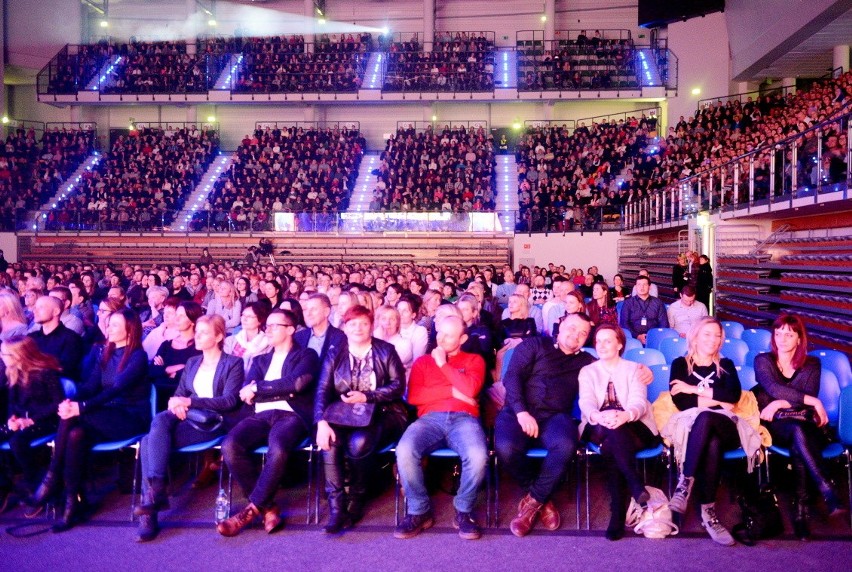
(358, 411)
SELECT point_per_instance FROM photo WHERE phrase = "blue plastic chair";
(592, 352)
(662, 376)
(837, 363)
(70, 390)
(733, 329)
(313, 494)
(646, 356)
(747, 377)
(657, 335)
(758, 340)
(735, 350)
(749, 359)
(673, 348)
(618, 307)
(627, 333)
(844, 431)
(632, 344)
(507, 357)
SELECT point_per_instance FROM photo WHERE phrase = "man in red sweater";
(444, 386)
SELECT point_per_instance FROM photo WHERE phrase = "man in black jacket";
(281, 386)
(541, 390)
(54, 338)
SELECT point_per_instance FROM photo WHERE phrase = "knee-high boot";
(338, 518)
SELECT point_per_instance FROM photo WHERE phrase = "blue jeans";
(462, 433)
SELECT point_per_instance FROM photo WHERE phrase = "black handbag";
(804, 414)
(349, 414)
(204, 420)
(761, 517)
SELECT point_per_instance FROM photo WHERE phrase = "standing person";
(704, 281)
(680, 273)
(113, 403)
(35, 392)
(251, 340)
(358, 411)
(788, 397)
(705, 384)
(445, 388)
(684, 313)
(281, 387)
(541, 389)
(643, 312)
(617, 417)
(210, 382)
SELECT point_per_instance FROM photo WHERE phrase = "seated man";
(643, 312)
(281, 385)
(541, 389)
(56, 339)
(444, 386)
(686, 312)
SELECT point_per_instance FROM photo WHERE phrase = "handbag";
(761, 517)
(655, 521)
(349, 414)
(204, 420)
(803, 414)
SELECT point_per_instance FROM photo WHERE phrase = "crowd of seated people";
(289, 169)
(72, 72)
(584, 63)
(295, 371)
(572, 179)
(141, 183)
(458, 61)
(157, 67)
(282, 64)
(30, 174)
(450, 170)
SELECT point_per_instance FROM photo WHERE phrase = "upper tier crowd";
(140, 183)
(283, 170)
(30, 174)
(455, 62)
(452, 171)
(360, 357)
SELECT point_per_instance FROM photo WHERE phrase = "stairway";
(66, 188)
(374, 74)
(506, 68)
(223, 82)
(196, 199)
(507, 204)
(647, 71)
(102, 78)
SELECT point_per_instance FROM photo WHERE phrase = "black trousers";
(282, 431)
(24, 455)
(805, 441)
(556, 434)
(711, 435)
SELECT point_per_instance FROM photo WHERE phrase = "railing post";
(680, 202)
(820, 174)
(772, 174)
(751, 180)
(848, 156)
(794, 179)
(710, 192)
(672, 204)
(736, 186)
(722, 187)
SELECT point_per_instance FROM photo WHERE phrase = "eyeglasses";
(273, 325)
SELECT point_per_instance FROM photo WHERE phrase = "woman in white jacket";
(617, 417)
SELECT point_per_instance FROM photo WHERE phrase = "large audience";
(284, 169)
(261, 353)
(140, 183)
(449, 170)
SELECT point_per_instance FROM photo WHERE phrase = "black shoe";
(832, 501)
(467, 527)
(148, 528)
(413, 524)
(71, 515)
(355, 509)
(338, 521)
(800, 521)
(45, 490)
(615, 530)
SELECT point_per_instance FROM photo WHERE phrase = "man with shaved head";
(444, 386)
(54, 338)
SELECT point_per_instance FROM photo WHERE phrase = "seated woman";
(113, 403)
(619, 291)
(210, 382)
(601, 309)
(152, 315)
(172, 355)
(387, 330)
(251, 340)
(13, 323)
(365, 379)
(35, 392)
(244, 294)
(515, 329)
(788, 388)
(705, 380)
(408, 307)
(281, 387)
(226, 304)
(617, 417)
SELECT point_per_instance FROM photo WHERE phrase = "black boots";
(154, 499)
(148, 528)
(338, 519)
(72, 513)
(48, 487)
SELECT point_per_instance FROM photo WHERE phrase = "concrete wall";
(574, 250)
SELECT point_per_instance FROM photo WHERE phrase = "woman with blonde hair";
(12, 319)
(35, 392)
(227, 305)
(705, 380)
(387, 329)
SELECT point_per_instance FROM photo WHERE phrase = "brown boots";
(529, 511)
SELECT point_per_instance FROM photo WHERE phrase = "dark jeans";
(557, 434)
(76, 436)
(711, 435)
(618, 449)
(19, 443)
(282, 431)
(167, 434)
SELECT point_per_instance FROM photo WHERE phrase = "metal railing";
(808, 164)
(438, 126)
(441, 37)
(344, 125)
(745, 96)
(419, 71)
(573, 36)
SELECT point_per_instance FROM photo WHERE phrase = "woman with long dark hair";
(113, 403)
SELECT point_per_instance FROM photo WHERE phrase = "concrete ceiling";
(813, 57)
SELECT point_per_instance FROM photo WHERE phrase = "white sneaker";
(714, 528)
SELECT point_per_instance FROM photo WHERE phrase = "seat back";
(844, 429)
(673, 348)
(749, 359)
(69, 387)
(758, 340)
(747, 377)
(656, 335)
(837, 363)
(733, 329)
(662, 376)
(829, 394)
(591, 351)
(632, 344)
(507, 357)
(646, 356)
(735, 350)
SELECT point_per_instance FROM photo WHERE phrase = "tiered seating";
(74, 66)
(292, 169)
(585, 173)
(450, 170)
(157, 67)
(458, 61)
(62, 152)
(281, 64)
(582, 64)
(141, 183)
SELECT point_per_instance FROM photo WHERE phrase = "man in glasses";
(281, 386)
